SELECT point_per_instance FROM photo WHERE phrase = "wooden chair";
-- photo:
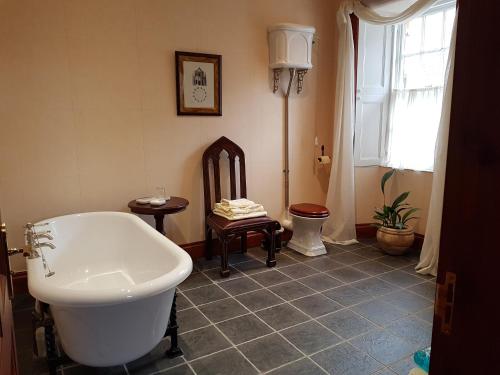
(226, 229)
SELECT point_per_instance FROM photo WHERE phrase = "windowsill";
(387, 167)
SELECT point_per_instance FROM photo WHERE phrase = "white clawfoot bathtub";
(114, 282)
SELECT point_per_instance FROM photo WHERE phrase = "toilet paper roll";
(324, 159)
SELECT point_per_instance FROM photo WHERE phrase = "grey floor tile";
(259, 299)
(154, 361)
(347, 295)
(346, 323)
(372, 267)
(195, 280)
(223, 309)
(270, 278)
(351, 247)
(344, 359)
(257, 252)
(426, 314)
(298, 270)
(324, 263)
(403, 366)
(291, 290)
(369, 252)
(86, 370)
(400, 278)
(310, 337)
(259, 353)
(348, 274)
(179, 370)
(214, 274)
(303, 367)
(235, 258)
(252, 266)
(295, 255)
(375, 287)
(407, 301)
(282, 316)
(227, 362)
(243, 328)
(203, 264)
(367, 240)
(411, 270)
(413, 330)
(182, 302)
(320, 282)
(386, 371)
(201, 342)
(348, 258)
(396, 261)
(426, 289)
(379, 312)
(239, 286)
(190, 319)
(316, 305)
(283, 260)
(384, 346)
(332, 249)
(205, 294)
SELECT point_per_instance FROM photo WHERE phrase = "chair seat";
(221, 224)
(309, 210)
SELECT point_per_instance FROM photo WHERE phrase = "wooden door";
(8, 363)
(470, 245)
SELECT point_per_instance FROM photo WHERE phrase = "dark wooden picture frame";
(183, 108)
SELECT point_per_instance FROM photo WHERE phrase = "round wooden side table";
(172, 206)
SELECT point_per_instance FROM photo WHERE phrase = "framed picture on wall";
(198, 80)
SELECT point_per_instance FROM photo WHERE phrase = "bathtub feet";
(171, 331)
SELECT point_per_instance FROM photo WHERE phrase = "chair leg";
(271, 258)
(208, 243)
(244, 243)
(224, 271)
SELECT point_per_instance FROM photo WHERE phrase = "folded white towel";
(238, 203)
(230, 216)
(236, 210)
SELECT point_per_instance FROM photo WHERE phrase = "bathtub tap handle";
(45, 234)
(48, 244)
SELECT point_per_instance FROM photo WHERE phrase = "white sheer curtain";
(340, 200)
(430, 249)
(412, 133)
(340, 228)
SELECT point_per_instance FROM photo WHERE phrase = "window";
(420, 56)
(401, 71)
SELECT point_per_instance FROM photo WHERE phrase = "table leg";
(159, 223)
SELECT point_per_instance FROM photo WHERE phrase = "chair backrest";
(213, 153)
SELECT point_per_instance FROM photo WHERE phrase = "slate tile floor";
(354, 311)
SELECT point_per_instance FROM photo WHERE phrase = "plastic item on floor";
(423, 358)
(417, 371)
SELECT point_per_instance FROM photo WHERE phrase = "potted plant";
(393, 234)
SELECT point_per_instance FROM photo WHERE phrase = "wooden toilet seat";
(309, 210)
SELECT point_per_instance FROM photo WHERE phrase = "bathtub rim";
(61, 296)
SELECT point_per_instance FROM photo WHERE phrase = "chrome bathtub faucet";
(32, 240)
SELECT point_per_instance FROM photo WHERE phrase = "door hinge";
(445, 300)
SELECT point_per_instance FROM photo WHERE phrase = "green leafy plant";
(399, 213)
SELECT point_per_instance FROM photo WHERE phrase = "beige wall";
(369, 196)
(87, 104)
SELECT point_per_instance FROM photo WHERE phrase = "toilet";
(307, 221)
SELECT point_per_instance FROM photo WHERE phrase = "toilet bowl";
(307, 221)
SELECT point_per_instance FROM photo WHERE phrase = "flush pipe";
(286, 221)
